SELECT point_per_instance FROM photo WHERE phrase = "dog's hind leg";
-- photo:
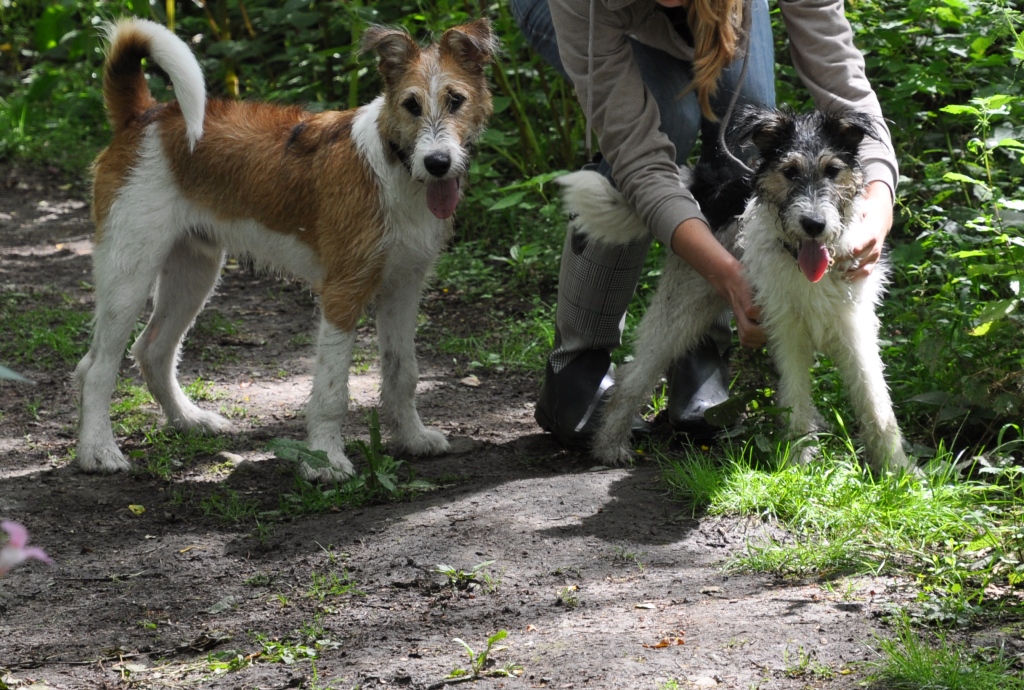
(396, 311)
(680, 314)
(186, 280)
(328, 403)
(856, 352)
(124, 275)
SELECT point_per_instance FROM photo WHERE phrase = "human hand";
(748, 314)
(693, 242)
(870, 232)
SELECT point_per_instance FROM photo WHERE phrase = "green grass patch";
(42, 330)
(909, 662)
(519, 342)
(164, 451)
(960, 538)
(330, 584)
(227, 506)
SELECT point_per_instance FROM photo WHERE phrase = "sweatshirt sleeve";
(624, 113)
(832, 68)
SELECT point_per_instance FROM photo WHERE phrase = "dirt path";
(591, 569)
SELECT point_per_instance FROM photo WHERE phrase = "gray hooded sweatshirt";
(599, 59)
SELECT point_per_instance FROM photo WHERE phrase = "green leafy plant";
(464, 579)
(569, 597)
(228, 506)
(330, 584)
(909, 662)
(478, 660)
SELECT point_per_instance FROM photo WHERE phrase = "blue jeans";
(596, 281)
(667, 77)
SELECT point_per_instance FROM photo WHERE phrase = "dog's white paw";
(896, 463)
(201, 421)
(326, 475)
(101, 459)
(612, 455)
(426, 442)
(339, 469)
(806, 452)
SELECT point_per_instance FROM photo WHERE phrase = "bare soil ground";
(591, 569)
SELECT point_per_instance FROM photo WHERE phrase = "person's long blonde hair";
(716, 27)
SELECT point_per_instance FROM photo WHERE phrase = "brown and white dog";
(359, 203)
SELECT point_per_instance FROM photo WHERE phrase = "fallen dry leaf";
(666, 642)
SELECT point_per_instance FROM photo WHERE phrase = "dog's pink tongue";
(443, 197)
(813, 260)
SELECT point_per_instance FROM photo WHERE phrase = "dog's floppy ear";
(847, 128)
(472, 45)
(768, 128)
(394, 47)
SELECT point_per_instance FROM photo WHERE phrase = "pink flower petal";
(17, 533)
(38, 554)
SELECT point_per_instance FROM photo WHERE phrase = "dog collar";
(790, 249)
(400, 155)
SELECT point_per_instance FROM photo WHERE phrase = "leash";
(724, 125)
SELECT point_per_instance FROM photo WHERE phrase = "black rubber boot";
(570, 401)
(697, 383)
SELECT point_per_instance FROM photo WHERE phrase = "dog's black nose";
(812, 226)
(437, 163)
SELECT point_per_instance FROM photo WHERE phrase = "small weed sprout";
(331, 585)
(263, 532)
(491, 583)
(569, 597)
(622, 555)
(478, 660)
(260, 579)
(804, 665)
(462, 579)
(228, 506)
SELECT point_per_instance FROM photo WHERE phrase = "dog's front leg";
(397, 309)
(680, 314)
(857, 356)
(328, 403)
(793, 353)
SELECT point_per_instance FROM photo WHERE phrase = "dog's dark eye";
(832, 171)
(455, 101)
(413, 106)
(791, 172)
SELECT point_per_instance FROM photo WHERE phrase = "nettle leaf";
(994, 103)
(961, 110)
(937, 398)
(6, 373)
(959, 177)
(507, 201)
(993, 312)
(980, 46)
(385, 481)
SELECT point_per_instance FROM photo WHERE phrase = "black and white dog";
(799, 207)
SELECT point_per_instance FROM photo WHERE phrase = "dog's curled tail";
(602, 212)
(125, 90)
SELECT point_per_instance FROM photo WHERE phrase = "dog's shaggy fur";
(358, 203)
(803, 199)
